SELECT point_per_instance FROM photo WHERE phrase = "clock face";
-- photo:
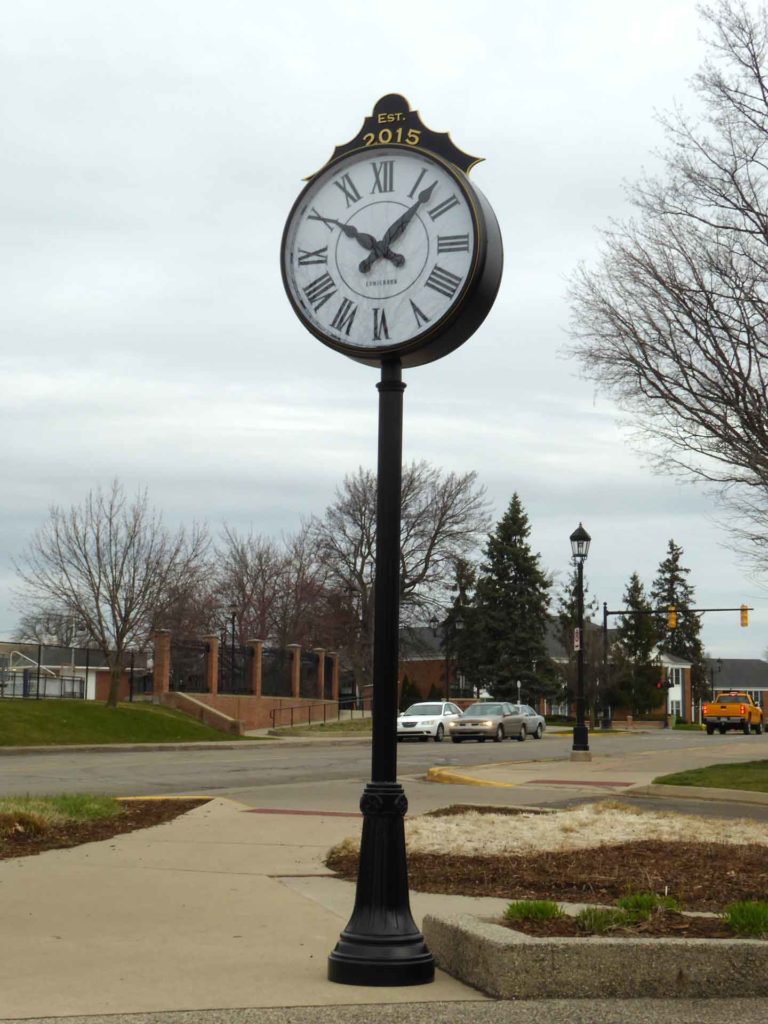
(380, 249)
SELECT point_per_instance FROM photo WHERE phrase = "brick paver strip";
(289, 810)
(574, 782)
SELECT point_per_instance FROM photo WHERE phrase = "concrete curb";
(507, 964)
(248, 743)
(737, 796)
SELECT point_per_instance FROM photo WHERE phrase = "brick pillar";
(161, 671)
(257, 647)
(320, 652)
(212, 663)
(335, 678)
(295, 650)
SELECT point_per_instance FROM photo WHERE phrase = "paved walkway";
(227, 915)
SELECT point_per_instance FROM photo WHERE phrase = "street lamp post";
(580, 540)
(712, 674)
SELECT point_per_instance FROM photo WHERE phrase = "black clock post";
(337, 264)
(381, 944)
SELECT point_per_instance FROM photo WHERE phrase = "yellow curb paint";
(454, 778)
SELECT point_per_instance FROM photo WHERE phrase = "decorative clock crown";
(393, 120)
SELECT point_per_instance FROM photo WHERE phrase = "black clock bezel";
(466, 313)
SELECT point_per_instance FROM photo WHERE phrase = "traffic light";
(744, 614)
(672, 617)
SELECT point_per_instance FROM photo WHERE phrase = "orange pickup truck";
(732, 709)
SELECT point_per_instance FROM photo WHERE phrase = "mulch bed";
(662, 924)
(700, 876)
(136, 814)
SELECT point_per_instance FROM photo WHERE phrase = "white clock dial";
(381, 247)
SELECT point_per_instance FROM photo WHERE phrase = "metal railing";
(26, 685)
(298, 711)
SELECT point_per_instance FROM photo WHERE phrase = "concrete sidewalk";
(228, 913)
(220, 908)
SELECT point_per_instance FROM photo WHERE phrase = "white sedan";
(429, 719)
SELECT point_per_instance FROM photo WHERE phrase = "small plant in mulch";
(748, 918)
(600, 920)
(643, 904)
(643, 914)
(533, 910)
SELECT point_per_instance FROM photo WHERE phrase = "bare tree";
(52, 625)
(274, 589)
(110, 563)
(672, 324)
(249, 579)
(444, 518)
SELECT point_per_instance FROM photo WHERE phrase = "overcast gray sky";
(151, 152)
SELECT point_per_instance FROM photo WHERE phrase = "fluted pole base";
(381, 944)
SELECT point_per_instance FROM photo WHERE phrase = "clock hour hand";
(395, 230)
(381, 250)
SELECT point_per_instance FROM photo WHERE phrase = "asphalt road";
(330, 776)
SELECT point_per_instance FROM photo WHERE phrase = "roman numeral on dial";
(443, 281)
(444, 207)
(380, 329)
(452, 243)
(348, 188)
(345, 316)
(416, 185)
(421, 318)
(383, 176)
(320, 290)
(309, 256)
(314, 215)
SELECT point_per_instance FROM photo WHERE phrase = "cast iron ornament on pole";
(580, 549)
(393, 258)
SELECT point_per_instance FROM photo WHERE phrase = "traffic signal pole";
(671, 612)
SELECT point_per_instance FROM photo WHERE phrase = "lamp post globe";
(580, 541)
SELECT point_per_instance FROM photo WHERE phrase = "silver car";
(488, 720)
(533, 723)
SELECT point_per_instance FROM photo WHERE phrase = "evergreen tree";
(460, 634)
(634, 676)
(512, 603)
(671, 587)
(566, 621)
(409, 694)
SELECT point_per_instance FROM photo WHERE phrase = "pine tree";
(512, 603)
(460, 637)
(566, 621)
(671, 587)
(634, 676)
(409, 694)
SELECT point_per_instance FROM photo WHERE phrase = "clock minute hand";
(395, 230)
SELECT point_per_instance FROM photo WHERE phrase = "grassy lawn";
(353, 726)
(43, 811)
(752, 775)
(32, 723)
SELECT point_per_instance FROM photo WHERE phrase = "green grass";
(751, 775)
(353, 725)
(689, 726)
(34, 814)
(748, 918)
(532, 910)
(48, 722)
